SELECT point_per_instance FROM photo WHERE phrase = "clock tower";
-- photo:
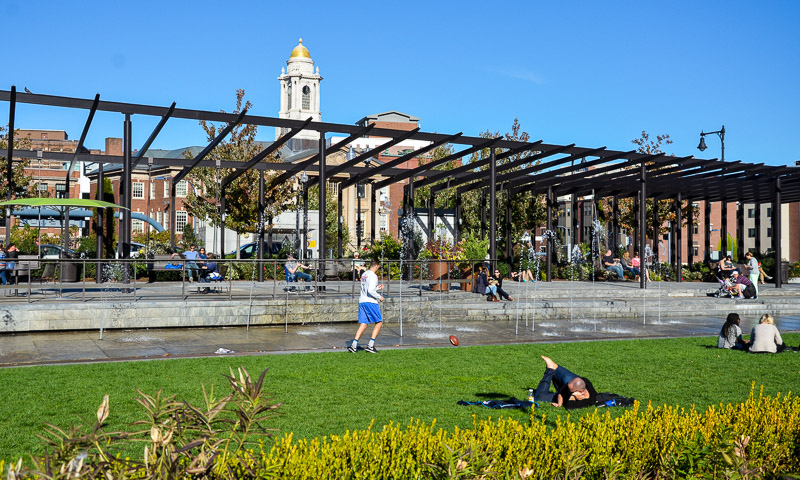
(300, 95)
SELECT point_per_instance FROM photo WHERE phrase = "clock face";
(306, 90)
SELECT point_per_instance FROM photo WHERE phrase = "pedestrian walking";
(369, 310)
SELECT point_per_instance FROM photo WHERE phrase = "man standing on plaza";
(368, 309)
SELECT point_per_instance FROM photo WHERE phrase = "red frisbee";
(454, 340)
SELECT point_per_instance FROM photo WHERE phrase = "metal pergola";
(537, 167)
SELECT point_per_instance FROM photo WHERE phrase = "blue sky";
(590, 73)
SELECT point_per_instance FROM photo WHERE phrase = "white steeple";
(300, 91)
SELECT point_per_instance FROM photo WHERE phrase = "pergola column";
(372, 208)
(549, 238)
(574, 224)
(690, 234)
(707, 233)
(493, 207)
(615, 222)
(339, 222)
(740, 229)
(457, 219)
(776, 231)
(508, 226)
(322, 197)
(262, 206)
(656, 229)
(678, 235)
(757, 219)
(642, 223)
(723, 230)
(483, 213)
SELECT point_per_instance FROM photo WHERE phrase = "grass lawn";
(328, 393)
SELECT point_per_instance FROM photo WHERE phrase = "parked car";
(137, 250)
(54, 252)
(248, 250)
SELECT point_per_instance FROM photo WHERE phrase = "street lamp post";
(721, 133)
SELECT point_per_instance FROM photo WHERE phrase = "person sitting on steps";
(611, 264)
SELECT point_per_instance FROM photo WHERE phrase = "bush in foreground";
(227, 438)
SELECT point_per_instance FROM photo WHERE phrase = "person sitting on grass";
(611, 264)
(765, 337)
(730, 336)
(572, 391)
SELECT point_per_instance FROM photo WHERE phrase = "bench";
(159, 263)
(334, 268)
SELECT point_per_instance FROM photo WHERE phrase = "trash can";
(69, 269)
(784, 272)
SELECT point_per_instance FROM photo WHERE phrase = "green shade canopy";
(62, 202)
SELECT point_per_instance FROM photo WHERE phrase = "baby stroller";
(725, 285)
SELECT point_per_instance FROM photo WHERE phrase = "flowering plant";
(442, 249)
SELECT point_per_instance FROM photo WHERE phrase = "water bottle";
(611, 403)
(530, 395)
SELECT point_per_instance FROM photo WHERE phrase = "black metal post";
(723, 230)
(740, 230)
(508, 226)
(690, 234)
(776, 232)
(678, 237)
(359, 225)
(549, 244)
(636, 224)
(493, 209)
(323, 182)
(304, 246)
(643, 224)
(574, 224)
(615, 222)
(431, 213)
(457, 218)
(656, 229)
(222, 206)
(101, 224)
(261, 207)
(340, 222)
(372, 208)
(12, 107)
(582, 221)
(126, 187)
(707, 234)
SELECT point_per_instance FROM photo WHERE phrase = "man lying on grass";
(572, 391)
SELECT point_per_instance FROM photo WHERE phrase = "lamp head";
(351, 154)
(702, 147)
(304, 177)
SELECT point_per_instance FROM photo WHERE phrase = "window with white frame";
(152, 190)
(137, 226)
(384, 223)
(138, 190)
(181, 219)
(182, 189)
(695, 251)
(166, 221)
(166, 188)
(158, 216)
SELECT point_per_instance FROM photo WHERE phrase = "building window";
(751, 213)
(769, 211)
(751, 233)
(333, 188)
(137, 226)
(181, 219)
(289, 95)
(158, 216)
(306, 98)
(42, 187)
(138, 190)
(182, 189)
(695, 251)
(587, 210)
(152, 190)
(384, 223)
(695, 229)
(61, 190)
(166, 221)
(166, 188)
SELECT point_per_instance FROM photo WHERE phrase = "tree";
(666, 208)
(527, 210)
(23, 184)
(242, 202)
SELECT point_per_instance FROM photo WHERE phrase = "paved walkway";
(523, 324)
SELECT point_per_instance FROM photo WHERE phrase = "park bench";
(159, 263)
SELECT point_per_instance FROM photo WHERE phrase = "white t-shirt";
(369, 288)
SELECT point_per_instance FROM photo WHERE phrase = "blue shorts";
(369, 313)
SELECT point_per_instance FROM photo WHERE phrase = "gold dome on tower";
(300, 51)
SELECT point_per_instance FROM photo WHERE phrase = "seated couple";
(492, 287)
(764, 338)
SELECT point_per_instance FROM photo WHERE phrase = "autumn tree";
(666, 207)
(242, 202)
(527, 210)
(23, 184)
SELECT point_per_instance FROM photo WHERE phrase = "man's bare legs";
(363, 327)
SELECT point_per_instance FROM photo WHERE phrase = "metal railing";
(143, 279)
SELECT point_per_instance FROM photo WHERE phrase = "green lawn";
(328, 393)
